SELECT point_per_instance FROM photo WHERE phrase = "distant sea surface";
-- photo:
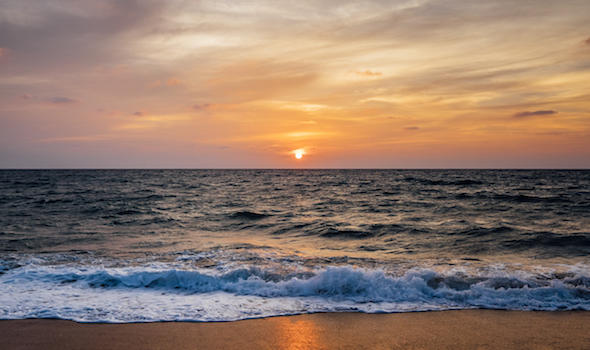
(218, 245)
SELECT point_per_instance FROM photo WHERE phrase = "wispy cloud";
(60, 100)
(89, 138)
(534, 113)
(151, 121)
(201, 107)
(305, 134)
(173, 82)
(369, 73)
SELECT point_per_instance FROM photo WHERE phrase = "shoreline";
(454, 329)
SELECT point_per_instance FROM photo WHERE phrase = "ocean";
(220, 245)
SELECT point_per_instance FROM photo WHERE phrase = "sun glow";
(299, 153)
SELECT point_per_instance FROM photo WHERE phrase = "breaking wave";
(148, 293)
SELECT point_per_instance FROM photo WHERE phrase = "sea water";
(219, 245)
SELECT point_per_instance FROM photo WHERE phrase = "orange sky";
(231, 84)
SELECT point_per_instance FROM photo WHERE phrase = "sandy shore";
(466, 329)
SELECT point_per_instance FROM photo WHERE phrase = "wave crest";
(518, 291)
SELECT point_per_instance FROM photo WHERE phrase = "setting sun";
(299, 153)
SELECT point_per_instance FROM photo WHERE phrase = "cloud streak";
(201, 107)
(61, 100)
(527, 114)
(369, 73)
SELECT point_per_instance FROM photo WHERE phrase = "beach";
(460, 329)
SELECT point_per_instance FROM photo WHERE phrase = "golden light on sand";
(300, 333)
(299, 153)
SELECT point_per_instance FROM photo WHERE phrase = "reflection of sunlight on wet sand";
(298, 334)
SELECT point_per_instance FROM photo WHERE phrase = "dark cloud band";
(534, 113)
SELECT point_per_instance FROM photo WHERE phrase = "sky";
(252, 84)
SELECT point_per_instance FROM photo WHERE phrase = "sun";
(299, 153)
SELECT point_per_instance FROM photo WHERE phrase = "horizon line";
(223, 168)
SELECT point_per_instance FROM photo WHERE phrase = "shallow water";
(148, 245)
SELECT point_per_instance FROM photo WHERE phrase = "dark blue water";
(266, 242)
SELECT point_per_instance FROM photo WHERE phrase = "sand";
(465, 329)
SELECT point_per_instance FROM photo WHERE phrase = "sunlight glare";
(299, 153)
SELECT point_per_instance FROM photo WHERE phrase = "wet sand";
(465, 329)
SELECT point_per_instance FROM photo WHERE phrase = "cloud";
(60, 100)
(412, 128)
(138, 114)
(90, 138)
(369, 73)
(201, 107)
(587, 41)
(305, 134)
(533, 114)
(170, 82)
(61, 31)
(3, 51)
(173, 82)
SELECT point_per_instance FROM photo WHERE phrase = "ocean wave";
(331, 232)
(579, 240)
(248, 215)
(456, 182)
(115, 294)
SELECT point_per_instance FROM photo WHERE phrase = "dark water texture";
(383, 213)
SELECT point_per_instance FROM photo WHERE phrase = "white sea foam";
(159, 292)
